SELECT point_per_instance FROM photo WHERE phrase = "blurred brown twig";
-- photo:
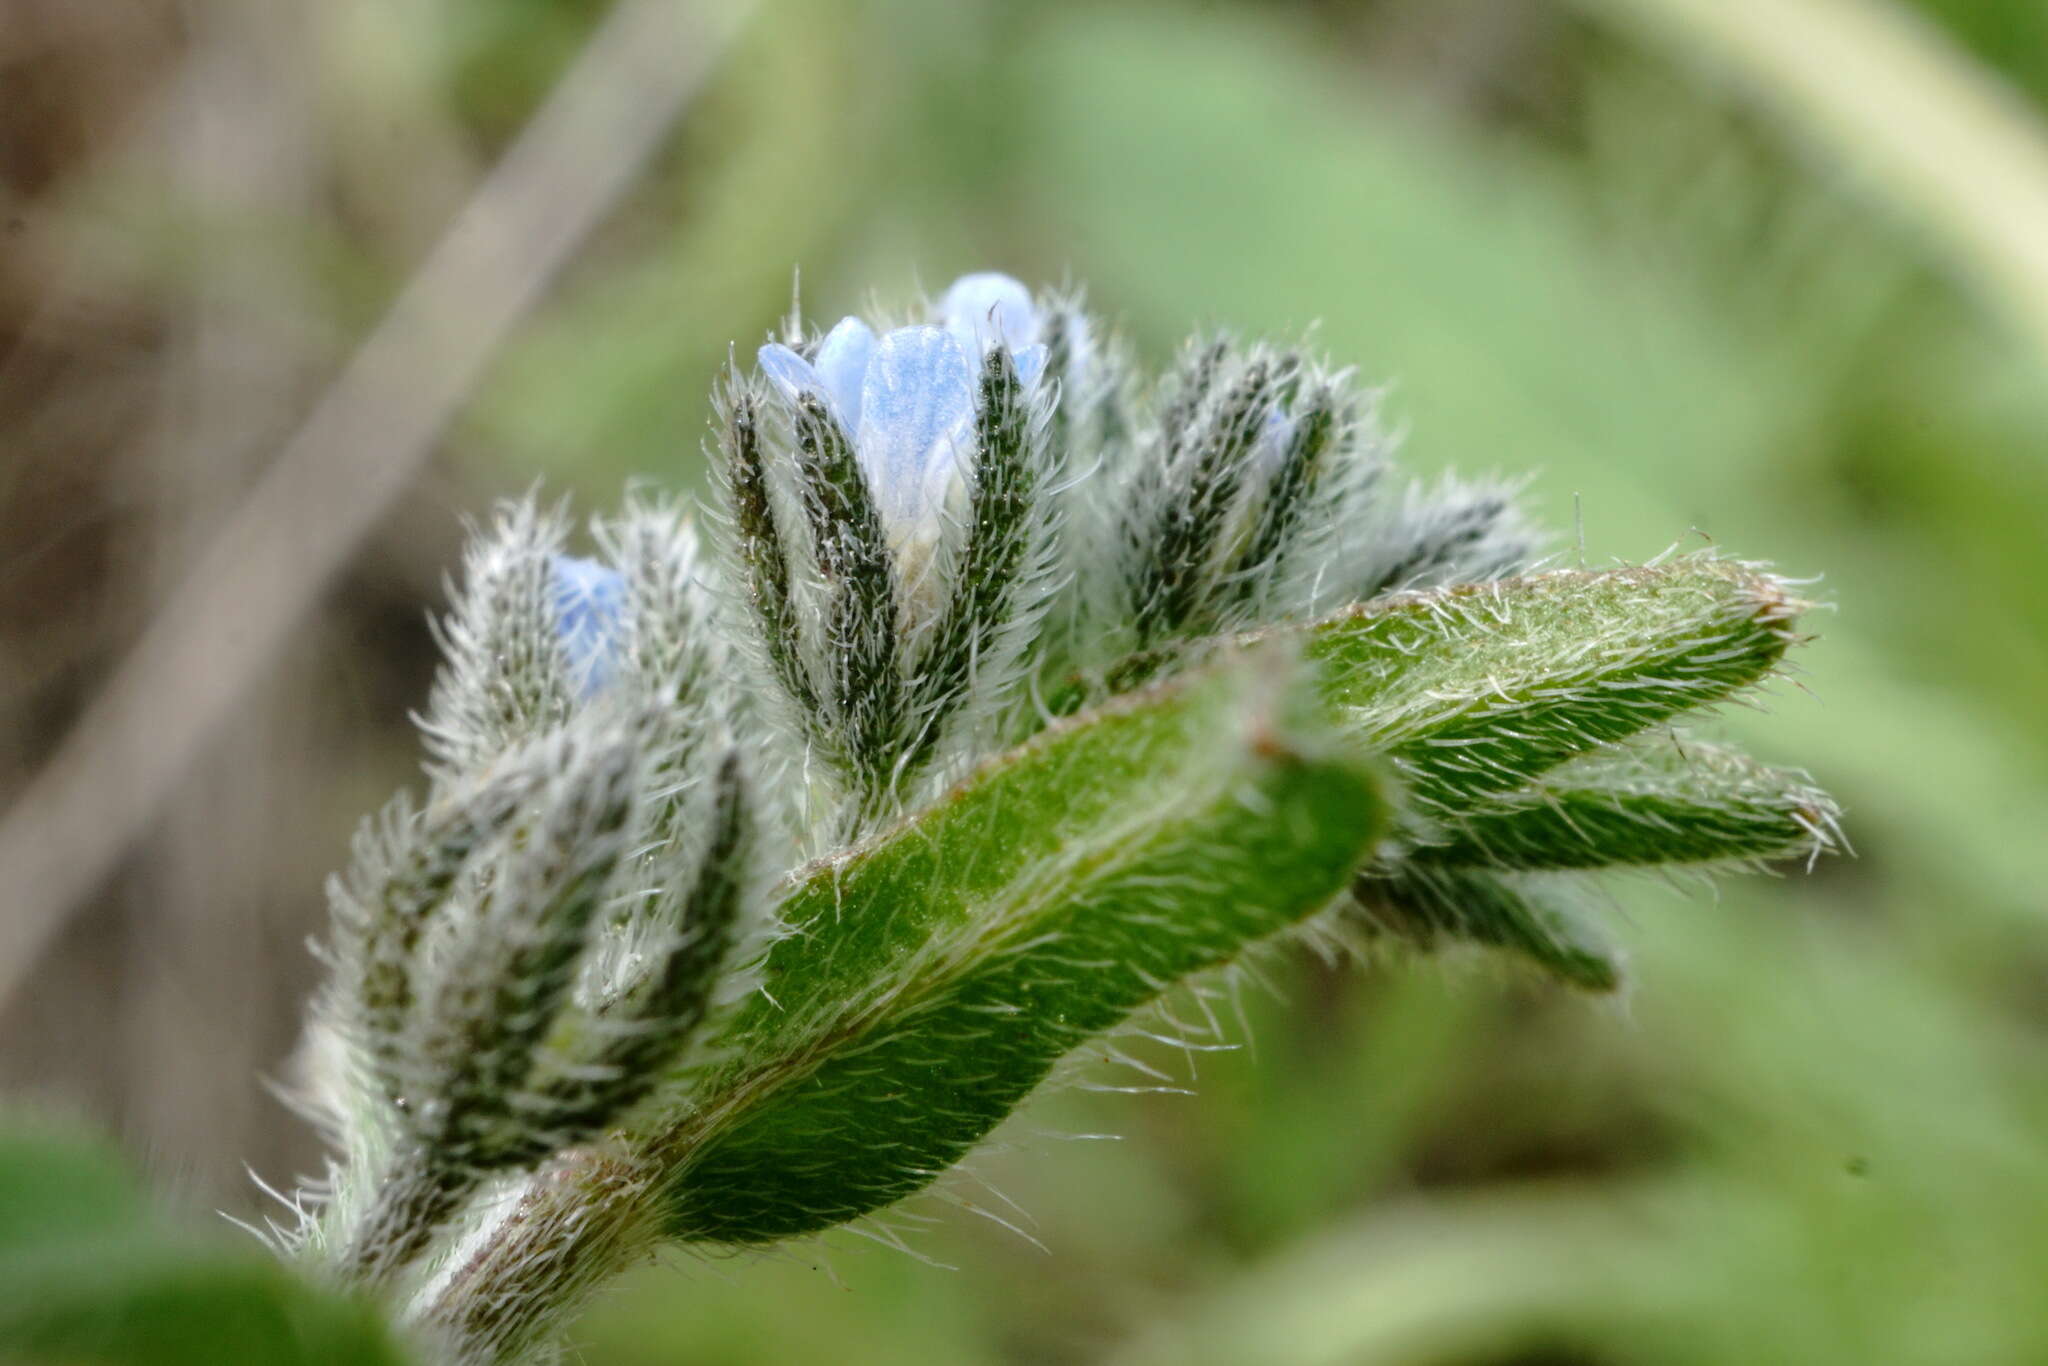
(224, 625)
(1938, 137)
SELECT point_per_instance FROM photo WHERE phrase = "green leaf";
(57, 1183)
(1663, 800)
(933, 977)
(1426, 904)
(1477, 690)
(164, 1301)
(88, 1275)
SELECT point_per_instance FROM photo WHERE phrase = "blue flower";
(590, 605)
(906, 398)
(984, 309)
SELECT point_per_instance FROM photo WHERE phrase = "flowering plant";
(759, 876)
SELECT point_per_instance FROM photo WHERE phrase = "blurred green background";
(1574, 246)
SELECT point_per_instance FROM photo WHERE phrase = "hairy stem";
(581, 1219)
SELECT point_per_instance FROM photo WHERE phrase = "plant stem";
(581, 1219)
(1954, 151)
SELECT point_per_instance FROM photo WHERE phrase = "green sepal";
(933, 977)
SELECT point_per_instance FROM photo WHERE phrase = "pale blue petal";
(944, 457)
(919, 390)
(590, 604)
(842, 364)
(1030, 364)
(984, 309)
(1275, 435)
(789, 372)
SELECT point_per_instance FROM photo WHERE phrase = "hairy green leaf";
(933, 977)
(1426, 904)
(1479, 689)
(1656, 801)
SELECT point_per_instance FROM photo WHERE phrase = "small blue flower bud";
(842, 365)
(590, 600)
(986, 309)
(916, 409)
(907, 398)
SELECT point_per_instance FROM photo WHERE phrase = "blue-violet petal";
(590, 603)
(917, 405)
(842, 364)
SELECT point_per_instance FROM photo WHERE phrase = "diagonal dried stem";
(227, 622)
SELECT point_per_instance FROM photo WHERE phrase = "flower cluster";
(754, 884)
(518, 958)
(906, 400)
(942, 525)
